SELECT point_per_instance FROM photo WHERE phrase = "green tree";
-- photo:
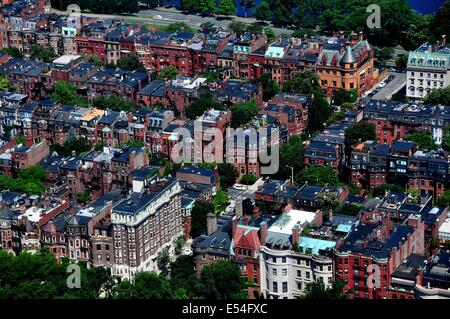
(114, 102)
(438, 96)
(145, 285)
(13, 52)
(79, 145)
(135, 143)
(66, 93)
(221, 201)
(222, 280)
(168, 73)
(152, 3)
(350, 209)
(227, 7)
(199, 212)
(446, 138)
(179, 26)
(83, 198)
(413, 195)
(318, 176)
(95, 60)
(263, 12)
(20, 139)
(189, 5)
(179, 243)
(270, 87)
(45, 54)
(99, 146)
(319, 113)
(444, 199)
(206, 7)
(163, 259)
(242, 113)
(247, 5)
(237, 27)
(227, 175)
(381, 190)
(402, 61)
(205, 102)
(305, 82)
(271, 36)
(343, 96)
(291, 155)
(248, 179)
(5, 85)
(131, 63)
(317, 291)
(359, 132)
(39, 275)
(440, 23)
(328, 202)
(423, 140)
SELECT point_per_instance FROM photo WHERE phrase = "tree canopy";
(199, 213)
(359, 132)
(131, 63)
(205, 102)
(168, 73)
(45, 54)
(40, 276)
(318, 176)
(423, 140)
(66, 93)
(438, 96)
(114, 102)
(242, 113)
(227, 175)
(270, 87)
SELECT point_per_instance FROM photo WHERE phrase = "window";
(308, 275)
(275, 287)
(285, 287)
(284, 272)
(299, 285)
(299, 273)
(274, 272)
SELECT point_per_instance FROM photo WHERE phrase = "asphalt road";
(392, 87)
(164, 17)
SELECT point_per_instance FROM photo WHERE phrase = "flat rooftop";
(285, 223)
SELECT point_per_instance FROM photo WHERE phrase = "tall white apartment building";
(428, 69)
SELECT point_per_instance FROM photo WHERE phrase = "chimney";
(360, 36)
(74, 153)
(341, 49)
(318, 219)
(287, 208)
(263, 231)
(444, 39)
(419, 277)
(239, 208)
(341, 34)
(295, 235)
(256, 212)
(330, 215)
(234, 222)
(211, 223)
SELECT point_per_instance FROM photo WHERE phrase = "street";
(392, 87)
(163, 17)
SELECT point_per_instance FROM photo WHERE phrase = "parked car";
(240, 187)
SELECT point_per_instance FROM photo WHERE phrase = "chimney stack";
(211, 225)
(239, 208)
(256, 212)
(295, 235)
(234, 222)
(263, 232)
